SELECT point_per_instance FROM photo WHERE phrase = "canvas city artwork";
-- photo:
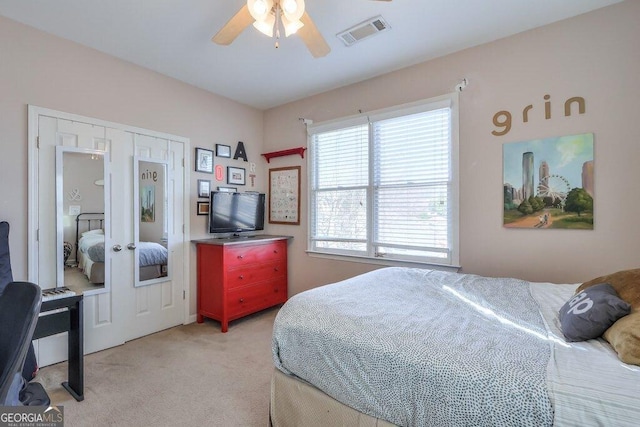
(548, 183)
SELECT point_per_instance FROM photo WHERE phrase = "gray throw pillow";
(591, 312)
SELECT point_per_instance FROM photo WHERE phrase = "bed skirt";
(297, 403)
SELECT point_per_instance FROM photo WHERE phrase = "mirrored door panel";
(81, 190)
(152, 218)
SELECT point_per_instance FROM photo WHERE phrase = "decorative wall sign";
(204, 160)
(549, 183)
(240, 153)
(204, 188)
(219, 173)
(503, 120)
(236, 176)
(223, 150)
(284, 195)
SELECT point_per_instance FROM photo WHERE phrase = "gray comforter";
(149, 253)
(420, 347)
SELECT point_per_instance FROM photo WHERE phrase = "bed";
(90, 252)
(415, 347)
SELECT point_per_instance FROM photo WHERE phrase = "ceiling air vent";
(363, 30)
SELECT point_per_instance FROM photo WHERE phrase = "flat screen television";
(231, 212)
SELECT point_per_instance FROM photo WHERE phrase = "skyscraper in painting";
(527, 175)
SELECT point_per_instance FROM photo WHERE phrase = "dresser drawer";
(250, 299)
(238, 276)
(243, 255)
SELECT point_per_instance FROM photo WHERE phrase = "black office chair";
(6, 277)
(33, 393)
(19, 310)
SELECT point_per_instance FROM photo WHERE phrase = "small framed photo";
(203, 208)
(204, 160)
(235, 175)
(228, 189)
(223, 150)
(204, 188)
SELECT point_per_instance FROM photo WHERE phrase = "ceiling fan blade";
(234, 27)
(312, 37)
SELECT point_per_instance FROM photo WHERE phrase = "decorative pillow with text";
(591, 312)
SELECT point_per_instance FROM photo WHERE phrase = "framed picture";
(236, 175)
(284, 195)
(204, 188)
(148, 203)
(228, 189)
(223, 150)
(203, 208)
(204, 160)
(549, 183)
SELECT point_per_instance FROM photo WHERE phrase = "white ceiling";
(173, 37)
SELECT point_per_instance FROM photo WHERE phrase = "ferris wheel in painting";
(556, 187)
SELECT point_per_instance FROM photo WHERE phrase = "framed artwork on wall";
(284, 195)
(204, 188)
(204, 160)
(223, 150)
(236, 176)
(549, 183)
(228, 189)
(203, 208)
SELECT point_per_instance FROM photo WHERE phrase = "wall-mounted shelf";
(289, 152)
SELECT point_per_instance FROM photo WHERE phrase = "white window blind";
(384, 189)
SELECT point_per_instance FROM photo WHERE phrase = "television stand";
(238, 276)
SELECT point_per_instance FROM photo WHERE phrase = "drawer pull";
(240, 256)
(241, 299)
(275, 251)
(241, 277)
(275, 268)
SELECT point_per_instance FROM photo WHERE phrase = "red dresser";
(240, 276)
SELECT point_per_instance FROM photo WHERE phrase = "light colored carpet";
(191, 375)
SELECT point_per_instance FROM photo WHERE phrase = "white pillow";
(96, 231)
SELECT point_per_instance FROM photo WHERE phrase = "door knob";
(131, 246)
(117, 248)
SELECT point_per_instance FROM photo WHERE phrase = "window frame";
(444, 101)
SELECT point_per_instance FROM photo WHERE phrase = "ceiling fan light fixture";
(260, 9)
(266, 25)
(292, 9)
(291, 27)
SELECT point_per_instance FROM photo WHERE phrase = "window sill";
(383, 261)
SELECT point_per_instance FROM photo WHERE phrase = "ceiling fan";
(268, 16)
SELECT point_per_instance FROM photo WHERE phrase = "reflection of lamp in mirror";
(99, 182)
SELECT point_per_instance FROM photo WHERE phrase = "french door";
(119, 310)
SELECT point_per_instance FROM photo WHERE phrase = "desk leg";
(75, 385)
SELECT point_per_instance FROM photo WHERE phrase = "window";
(384, 186)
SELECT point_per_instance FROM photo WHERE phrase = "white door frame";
(33, 196)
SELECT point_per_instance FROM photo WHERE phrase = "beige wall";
(595, 56)
(50, 72)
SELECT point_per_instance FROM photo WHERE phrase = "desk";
(71, 321)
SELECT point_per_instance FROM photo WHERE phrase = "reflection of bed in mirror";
(90, 251)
